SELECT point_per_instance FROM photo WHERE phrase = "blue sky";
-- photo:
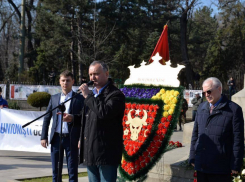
(209, 3)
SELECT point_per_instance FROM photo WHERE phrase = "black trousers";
(207, 177)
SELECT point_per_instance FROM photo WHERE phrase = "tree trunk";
(184, 50)
(73, 66)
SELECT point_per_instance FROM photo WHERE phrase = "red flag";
(162, 47)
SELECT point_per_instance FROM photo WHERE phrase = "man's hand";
(84, 89)
(234, 172)
(44, 143)
(1, 106)
(193, 164)
(66, 117)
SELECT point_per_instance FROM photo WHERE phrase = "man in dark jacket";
(231, 84)
(196, 102)
(102, 131)
(217, 144)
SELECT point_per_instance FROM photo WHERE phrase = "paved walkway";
(19, 165)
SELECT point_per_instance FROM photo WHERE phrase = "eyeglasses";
(209, 91)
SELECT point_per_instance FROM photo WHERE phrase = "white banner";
(14, 137)
(190, 94)
(3, 90)
(21, 92)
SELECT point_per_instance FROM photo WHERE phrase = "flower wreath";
(151, 114)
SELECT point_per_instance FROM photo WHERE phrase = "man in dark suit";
(70, 130)
(217, 144)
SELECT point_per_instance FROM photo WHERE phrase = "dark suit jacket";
(76, 106)
(217, 144)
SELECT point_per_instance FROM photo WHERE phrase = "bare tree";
(185, 7)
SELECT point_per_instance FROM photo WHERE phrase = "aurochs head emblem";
(136, 124)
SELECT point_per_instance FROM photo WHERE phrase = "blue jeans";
(102, 173)
(71, 157)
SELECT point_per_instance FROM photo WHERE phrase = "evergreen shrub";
(39, 99)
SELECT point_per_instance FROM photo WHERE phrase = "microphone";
(88, 84)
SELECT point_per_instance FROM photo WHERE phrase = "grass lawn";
(49, 178)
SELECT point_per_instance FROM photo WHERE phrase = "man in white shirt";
(70, 131)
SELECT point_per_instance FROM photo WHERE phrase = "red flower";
(163, 119)
(141, 158)
(130, 171)
(195, 174)
(154, 150)
(152, 154)
(141, 114)
(125, 142)
(133, 106)
(156, 107)
(128, 105)
(164, 131)
(170, 117)
(147, 132)
(142, 164)
(137, 168)
(166, 124)
(147, 159)
(149, 127)
(156, 138)
(141, 107)
(170, 143)
(146, 107)
(158, 144)
(153, 114)
(195, 180)
(151, 108)
(137, 162)
(145, 154)
(151, 120)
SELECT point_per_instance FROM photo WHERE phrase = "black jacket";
(102, 131)
(217, 144)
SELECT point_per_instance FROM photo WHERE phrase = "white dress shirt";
(63, 98)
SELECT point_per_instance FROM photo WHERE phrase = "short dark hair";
(102, 64)
(67, 73)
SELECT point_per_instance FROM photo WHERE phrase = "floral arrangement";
(174, 144)
(151, 114)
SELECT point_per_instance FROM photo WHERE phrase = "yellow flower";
(162, 91)
(154, 97)
(174, 101)
(172, 92)
(165, 114)
(172, 106)
(171, 97)
(171, 111)
(167, 92)
(158, 95)
(166, 107)
(166, 100)
(176, 93)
